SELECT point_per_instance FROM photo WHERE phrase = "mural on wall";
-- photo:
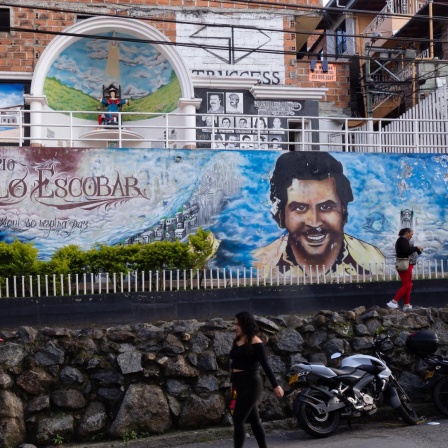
(235, 120)
(11, 103)
(143, 75)
(344, 210)
(227, 45)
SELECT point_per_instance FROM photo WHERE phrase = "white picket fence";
(422, 129)
(183, 280)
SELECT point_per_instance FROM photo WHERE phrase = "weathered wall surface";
(57, 383)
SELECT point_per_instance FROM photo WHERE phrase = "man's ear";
(281, 219)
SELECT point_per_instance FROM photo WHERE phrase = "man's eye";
(300, 208)
(327, 207)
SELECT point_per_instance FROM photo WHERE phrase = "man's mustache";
(312, 231)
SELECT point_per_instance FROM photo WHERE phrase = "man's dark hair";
(304, 165)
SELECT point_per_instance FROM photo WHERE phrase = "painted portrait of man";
(276, 126)
(276, 143)
(234, 105)
(226, 124)
(310, 195)
(233, 142)
(215, 103)
(244, 124)
(218, 141)
(263, 142)
(246, 142)
(210, 121)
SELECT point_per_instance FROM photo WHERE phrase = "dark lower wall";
(204, 304)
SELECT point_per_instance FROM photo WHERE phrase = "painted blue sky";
(11, 95)
(143, 69)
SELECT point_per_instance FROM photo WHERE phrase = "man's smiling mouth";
(315, 238)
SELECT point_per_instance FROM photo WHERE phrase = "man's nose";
(313, 218)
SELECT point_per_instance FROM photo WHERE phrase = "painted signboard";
(350, 203)
(320, 75)
(236, 120)
(226, 45)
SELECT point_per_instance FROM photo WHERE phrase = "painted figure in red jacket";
(112, 103)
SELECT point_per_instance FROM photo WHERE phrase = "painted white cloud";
(66, 64)
(12, 99)
(140, 60)
(99, 54)
(142, 74)
(97, 45)
(134, 91)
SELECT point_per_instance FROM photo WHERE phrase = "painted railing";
(217, 278)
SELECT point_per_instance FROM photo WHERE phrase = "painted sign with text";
(320, 75)
(232, 45)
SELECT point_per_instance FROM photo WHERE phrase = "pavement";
(179, 438)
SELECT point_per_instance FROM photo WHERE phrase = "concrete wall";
(126, 308)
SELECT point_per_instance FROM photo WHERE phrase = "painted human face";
(215, 102)
(277, 123)
(232, 142)
(226, 123)
(233, 100)
(275, 144)
(314, 220)
(219, 143)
